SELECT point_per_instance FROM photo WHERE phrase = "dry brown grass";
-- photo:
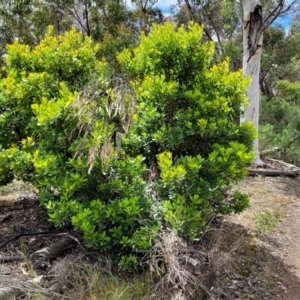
(117, 99)
(187, 271)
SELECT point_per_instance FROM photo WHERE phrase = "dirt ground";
(264, 240)
(24, 229)
(270, 197)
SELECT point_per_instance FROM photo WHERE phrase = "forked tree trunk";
(252, 48)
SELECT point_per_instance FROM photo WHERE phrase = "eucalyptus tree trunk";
(253, 27)
(80, 16)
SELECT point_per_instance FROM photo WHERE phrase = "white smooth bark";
(252, 48)
(78, 16)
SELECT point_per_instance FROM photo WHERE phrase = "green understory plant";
(123, 157)
(186, 127)
(268, 221)
(280, 125)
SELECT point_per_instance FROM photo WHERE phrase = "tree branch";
(265, 73)
(273, 15)
(283, 147)
(25, 234)
(278, 10)
(73, 13)
(214, 28)
(193, 17)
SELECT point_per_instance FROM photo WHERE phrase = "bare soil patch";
(280, 244)
(24, 226)
(24, 229)
(250, 261)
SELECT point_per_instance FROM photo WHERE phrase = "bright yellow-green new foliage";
(186, 125)
(122, 157)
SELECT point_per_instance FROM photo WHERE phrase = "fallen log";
(290, 166)
(274, 173)
(9, 258)
(23, 234)
(42, 258)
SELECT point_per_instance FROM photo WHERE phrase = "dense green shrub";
(62, 114)
(185, 124)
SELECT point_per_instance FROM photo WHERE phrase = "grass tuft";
(86, 281)
(268, 221)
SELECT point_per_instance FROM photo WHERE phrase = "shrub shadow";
(248, 266)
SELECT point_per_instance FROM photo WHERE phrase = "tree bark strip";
(252, 48)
